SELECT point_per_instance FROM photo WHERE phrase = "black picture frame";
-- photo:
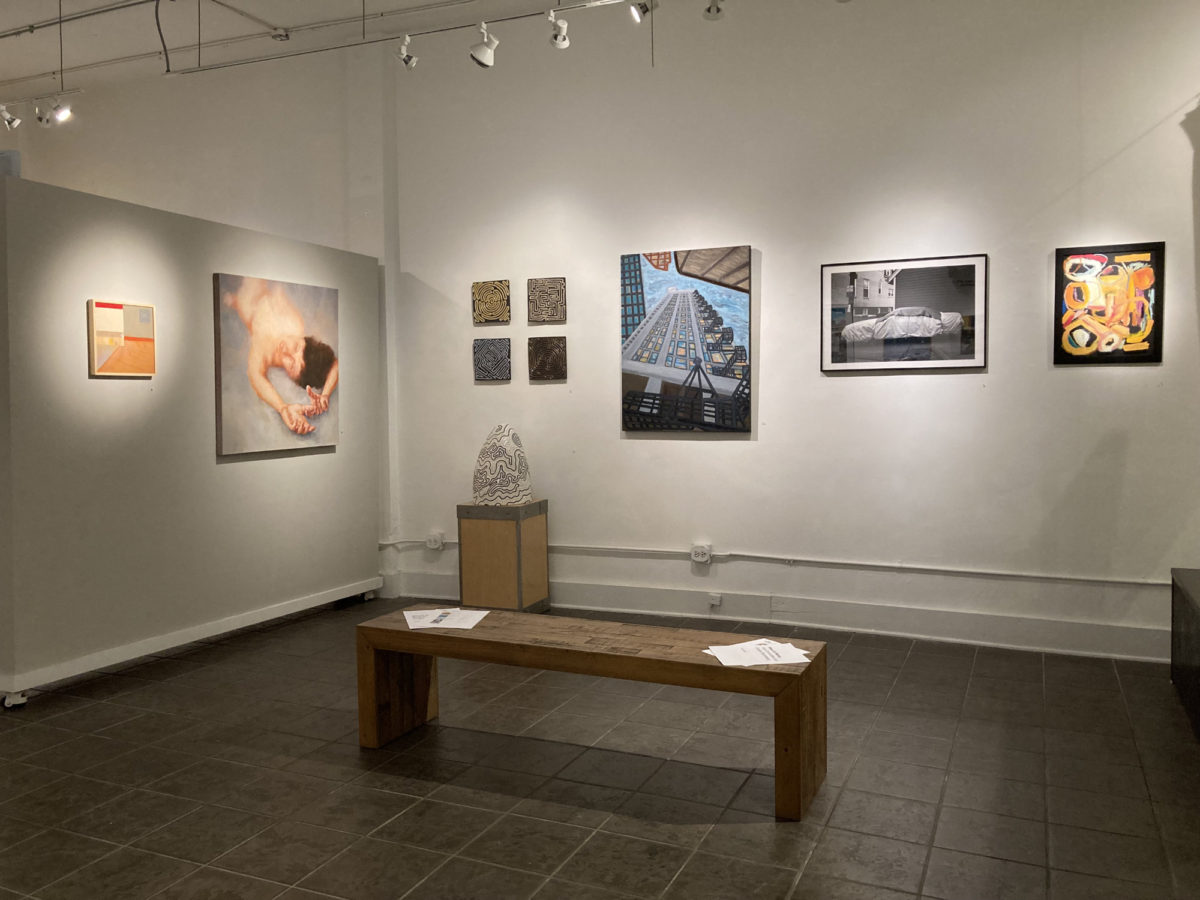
(905, 314)
(1108, 304)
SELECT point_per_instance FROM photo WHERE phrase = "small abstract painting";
(547, 358)
(489, 301)
(1108, 304)
(928, 313)
(493, 359)
(277, 365)
(685, 340)
(120, 339)
(547, 299)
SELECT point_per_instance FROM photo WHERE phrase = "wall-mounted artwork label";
(547, 359)
(547, 299)
(904, 314)
(1108, 307)
(277, 365)
(489, 302)
(685, 340)
(492, 359)
(120, 339)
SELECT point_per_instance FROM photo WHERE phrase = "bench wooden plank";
(397, 677)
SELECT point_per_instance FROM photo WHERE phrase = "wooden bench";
(397, 677)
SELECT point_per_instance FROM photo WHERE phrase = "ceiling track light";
(642, 9)
(558, 37)
(483, 54)
(10, 121)
(406, 59)
(50, 115)
(713, 10)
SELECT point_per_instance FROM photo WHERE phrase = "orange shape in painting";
(660, 261)
(134, 357)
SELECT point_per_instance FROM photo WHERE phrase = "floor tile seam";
(201, 867)
(937, 821)
(803, 866)
(130, 843)
(113, 852)
(215, 864)
(691, 855)
(570, 856)
(1166, 870)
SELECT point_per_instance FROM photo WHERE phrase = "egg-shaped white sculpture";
(502, 470)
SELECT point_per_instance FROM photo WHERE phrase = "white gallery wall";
(1021, 505)
(123, 532)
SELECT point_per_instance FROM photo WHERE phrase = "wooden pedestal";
(502, 560)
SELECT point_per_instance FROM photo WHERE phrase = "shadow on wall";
(1191, 127)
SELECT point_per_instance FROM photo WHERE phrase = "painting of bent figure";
(277, 365)
(685, 340)
(1108, 304)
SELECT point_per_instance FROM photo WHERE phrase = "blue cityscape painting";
(685, 340)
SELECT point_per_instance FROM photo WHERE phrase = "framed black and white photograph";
(904, 314)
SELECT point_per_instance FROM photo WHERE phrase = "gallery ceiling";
(103, 41)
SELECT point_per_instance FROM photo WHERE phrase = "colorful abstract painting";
(489, 302)
(547, 299)
(685, 340)
(493, 359)
(277, 365)
(928, 313)
(1108, 307)
(547, 358)
(120, 339)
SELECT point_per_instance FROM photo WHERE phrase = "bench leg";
(800, 759)
(396, 693)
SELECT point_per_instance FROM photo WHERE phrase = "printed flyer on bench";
(444, 618)
(762, 652)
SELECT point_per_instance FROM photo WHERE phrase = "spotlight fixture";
(10, 121)
(49, 116)
(406, 59)
(558, 38)
(484, 53)
(641, 9)
(713, 11)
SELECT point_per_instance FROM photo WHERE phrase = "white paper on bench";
(763, 652)
(444, 618)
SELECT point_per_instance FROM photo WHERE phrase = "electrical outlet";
(702, 553)
(435, 540)
(714, 601)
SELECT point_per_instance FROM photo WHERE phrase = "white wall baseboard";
(21, 681)
(1017, 630)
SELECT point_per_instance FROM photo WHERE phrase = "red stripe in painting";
(148, 340)
(111, 305)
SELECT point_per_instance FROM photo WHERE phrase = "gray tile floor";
(230, 768)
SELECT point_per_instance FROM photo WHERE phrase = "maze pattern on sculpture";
(547, 299)
(547, 358)
(502, 476)
(493, 359)
(490, 301)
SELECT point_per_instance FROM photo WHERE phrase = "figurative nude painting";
(904, 314)
(1108, 304)
(277, 365)
(685, 340)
